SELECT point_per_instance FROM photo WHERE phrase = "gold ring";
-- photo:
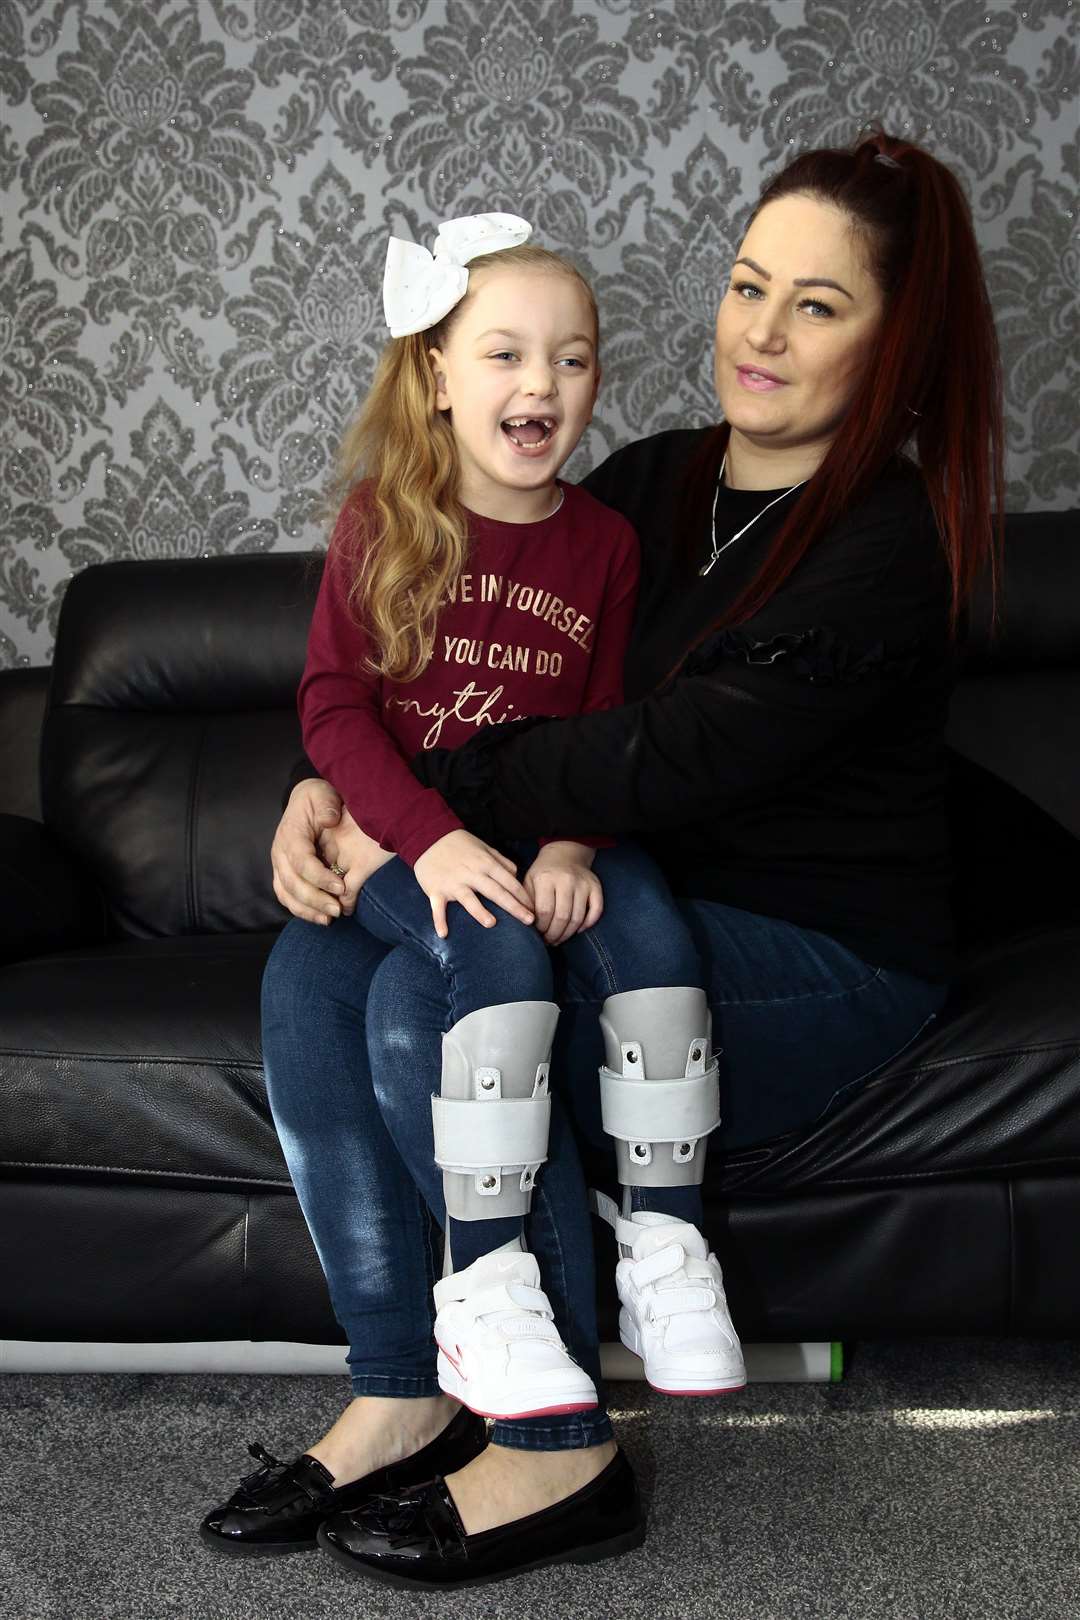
(336, 869)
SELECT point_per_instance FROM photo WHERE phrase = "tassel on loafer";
(279, 1507)
(416, 1538)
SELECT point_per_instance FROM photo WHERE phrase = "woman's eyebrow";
(800, 281)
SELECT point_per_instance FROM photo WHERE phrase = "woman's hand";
(302, 883)
(356, 852)
(314, 832)
(462, 868)
(565, 891)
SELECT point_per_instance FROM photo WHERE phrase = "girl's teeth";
(546, 430)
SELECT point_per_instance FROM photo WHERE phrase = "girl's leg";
(408, 1013)
(501, 1016)
(660, 1096)
(642, 944)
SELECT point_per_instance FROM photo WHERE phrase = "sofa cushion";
(990, 1089)
(139, 1060)
(144, 1062)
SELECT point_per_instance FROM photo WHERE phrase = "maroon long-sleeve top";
(537, 624)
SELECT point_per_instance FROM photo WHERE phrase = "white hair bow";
(419, 287)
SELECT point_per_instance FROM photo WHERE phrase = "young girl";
(465, 586)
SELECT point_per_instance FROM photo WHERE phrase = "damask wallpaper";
(197, 193)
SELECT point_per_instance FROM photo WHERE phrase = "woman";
(780, 753)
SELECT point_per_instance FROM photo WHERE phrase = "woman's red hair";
(935, 376)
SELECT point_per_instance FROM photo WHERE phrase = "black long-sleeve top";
(794, 766)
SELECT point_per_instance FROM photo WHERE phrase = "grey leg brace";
(659, 1086)
(500, 1351)
(491, 1121)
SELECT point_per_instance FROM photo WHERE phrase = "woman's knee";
(311, 966)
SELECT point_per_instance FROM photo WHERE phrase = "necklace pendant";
(704, 569)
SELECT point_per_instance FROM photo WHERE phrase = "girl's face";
(794, 333)
(518, 374)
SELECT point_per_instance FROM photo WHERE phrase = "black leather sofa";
(142, 1193)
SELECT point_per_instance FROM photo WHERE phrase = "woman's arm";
(710, 744)
(780, 699)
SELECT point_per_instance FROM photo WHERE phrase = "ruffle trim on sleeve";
(465, 775)
(819, 654)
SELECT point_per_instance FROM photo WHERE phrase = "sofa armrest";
(46, 902)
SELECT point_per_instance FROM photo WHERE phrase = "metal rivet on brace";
(526, 1180)
(695, 1053)
(639, 1150)
(631, 1057)
(487, 1083)
(488, 1181)
(685, 1148)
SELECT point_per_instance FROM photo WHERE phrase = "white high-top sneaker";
(500, 1353)
(674, 1312)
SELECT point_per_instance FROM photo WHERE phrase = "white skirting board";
(815, 1363)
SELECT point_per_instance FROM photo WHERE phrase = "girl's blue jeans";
(800, 1020)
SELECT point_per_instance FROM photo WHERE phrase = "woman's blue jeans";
(800, 1020)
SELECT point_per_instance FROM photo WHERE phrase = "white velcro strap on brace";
(660, 1110)
(510, 1134)
(626, 1233)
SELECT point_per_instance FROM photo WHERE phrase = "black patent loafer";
(416, 1538)
(279, 1507)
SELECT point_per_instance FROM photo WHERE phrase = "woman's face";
(794, 333)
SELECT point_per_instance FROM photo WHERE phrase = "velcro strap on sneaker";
(679, 1301)
(508, 1133)
(511, 1296)
(660, 1110)
(661, 1264)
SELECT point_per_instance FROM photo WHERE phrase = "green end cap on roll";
(836, 1362)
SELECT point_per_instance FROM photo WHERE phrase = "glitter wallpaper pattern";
(197, 193)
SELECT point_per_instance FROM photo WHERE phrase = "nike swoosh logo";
(451, 1358)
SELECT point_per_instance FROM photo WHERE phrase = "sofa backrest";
(170, 732)
(23, 692)
(1014, 736)
(171, 729)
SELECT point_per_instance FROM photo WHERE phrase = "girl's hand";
(357, 854)
(460, 867)
(564, 890)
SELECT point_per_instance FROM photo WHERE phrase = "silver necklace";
(716, 550)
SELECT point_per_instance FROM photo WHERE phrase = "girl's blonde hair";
(412, 550)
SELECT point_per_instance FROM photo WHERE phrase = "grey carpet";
(940, 1479)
